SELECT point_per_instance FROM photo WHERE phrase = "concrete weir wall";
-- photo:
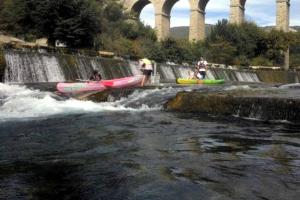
(30, 67)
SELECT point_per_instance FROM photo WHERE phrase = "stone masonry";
(162, 9)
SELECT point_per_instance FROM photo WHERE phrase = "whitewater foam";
(19, 102)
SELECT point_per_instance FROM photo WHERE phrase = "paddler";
(201, 65)
(146, 68)
(96, 76)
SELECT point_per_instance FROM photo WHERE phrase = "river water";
(57, 148)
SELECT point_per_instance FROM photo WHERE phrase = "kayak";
(123, 82)
(196, 81)
(80, 87)
(98, 86)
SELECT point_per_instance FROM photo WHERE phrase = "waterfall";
(25, 67)
(166, 72)
(30, 67)
(244, 76)
(135, 68)
(182, 71)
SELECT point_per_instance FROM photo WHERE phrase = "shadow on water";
(41, 181)
(60, 180)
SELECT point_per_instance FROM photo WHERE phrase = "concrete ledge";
(250, 104)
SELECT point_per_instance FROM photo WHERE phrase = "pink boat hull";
(80, 87)
(93, 86)
(123, 82)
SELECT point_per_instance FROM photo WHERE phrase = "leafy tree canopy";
(74, 22)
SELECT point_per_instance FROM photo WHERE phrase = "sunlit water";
(56, 148)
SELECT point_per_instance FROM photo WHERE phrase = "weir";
(33, 67)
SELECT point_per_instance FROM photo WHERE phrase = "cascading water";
(135, 68)
(166, 72)
(246, 76)
(28, 67)
(25, 67)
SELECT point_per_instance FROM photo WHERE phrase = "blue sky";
(262, 12)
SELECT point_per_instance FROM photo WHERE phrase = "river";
(59, 148)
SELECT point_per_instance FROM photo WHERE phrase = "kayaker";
(202, 68)
(191, 74)
(96, 76)
(146, 68)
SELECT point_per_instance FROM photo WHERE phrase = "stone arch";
(136, 6)
(168, 5)
(162, 17)
(202, 5)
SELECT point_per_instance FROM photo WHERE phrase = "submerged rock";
(263, 105)
(107, 95)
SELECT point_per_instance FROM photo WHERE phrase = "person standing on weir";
(147, 68)
(201, 65)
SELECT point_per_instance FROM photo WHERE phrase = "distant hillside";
(182, 32)
(296, 28)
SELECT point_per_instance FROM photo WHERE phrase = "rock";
(250, 104)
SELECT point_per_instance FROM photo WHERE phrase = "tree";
(74, 22)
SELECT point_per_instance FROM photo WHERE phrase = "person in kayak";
(146, 68)
(201, 65)
(96, 76)
(191, 74)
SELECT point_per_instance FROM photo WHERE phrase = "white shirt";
(203, 62)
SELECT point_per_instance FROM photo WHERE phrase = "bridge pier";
(162, 25)
(237, 11)
(197, 25)
(283, 23)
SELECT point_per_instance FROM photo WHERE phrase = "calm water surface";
(131, 149)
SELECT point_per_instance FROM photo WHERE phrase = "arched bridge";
(162, 9)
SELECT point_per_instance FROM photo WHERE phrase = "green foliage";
(74, 22)
(295, 50)
(261, 61)
(246, 42)
(221, 51)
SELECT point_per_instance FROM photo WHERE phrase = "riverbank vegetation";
(103, 25)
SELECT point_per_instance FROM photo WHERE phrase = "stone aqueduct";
(162, 9)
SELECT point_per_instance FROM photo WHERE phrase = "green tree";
(74, 22)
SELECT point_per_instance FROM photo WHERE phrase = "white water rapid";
(19, 102)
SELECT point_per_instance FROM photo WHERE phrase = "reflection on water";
(148, 155)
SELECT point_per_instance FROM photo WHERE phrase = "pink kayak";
(123, 82)
(98, 86)
(91, 86)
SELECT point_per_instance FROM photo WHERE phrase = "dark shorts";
(203, 73)
(147, 72)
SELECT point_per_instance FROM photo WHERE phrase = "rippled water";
(130, 149)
